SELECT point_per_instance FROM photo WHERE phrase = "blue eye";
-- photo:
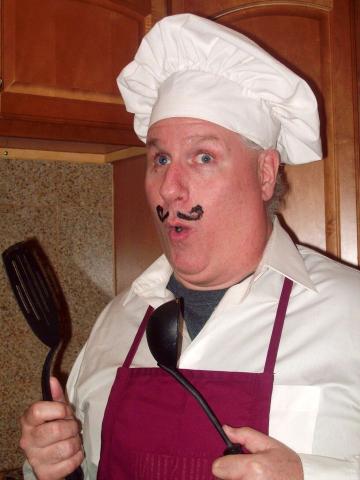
(205, 158)
(162, 159)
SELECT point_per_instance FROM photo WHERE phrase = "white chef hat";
(189, 66)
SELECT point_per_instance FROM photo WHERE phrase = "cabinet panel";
(60, 60)
(135, 239)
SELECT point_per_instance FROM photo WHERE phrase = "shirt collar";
(282, 256)
(151, 284)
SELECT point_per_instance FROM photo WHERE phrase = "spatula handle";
(45, 375)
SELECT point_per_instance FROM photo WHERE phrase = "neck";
(210, 286)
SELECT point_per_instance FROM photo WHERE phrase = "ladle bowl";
(162, 333)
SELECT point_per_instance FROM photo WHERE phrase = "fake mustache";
(195, 213)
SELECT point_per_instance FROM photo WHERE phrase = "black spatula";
(30, 280)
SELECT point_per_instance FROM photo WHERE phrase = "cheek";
(227, 196)
(234, 205)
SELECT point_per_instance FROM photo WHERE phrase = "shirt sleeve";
(317, 467)
(27, 471)
(70, 388)
(73, 377)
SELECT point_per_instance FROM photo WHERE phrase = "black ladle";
(35, 295)
(162, 333)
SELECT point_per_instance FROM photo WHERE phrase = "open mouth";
(178, 232)
(178, 228)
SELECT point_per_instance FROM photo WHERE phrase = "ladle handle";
(231, 448)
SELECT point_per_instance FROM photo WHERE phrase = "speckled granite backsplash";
(68, 208)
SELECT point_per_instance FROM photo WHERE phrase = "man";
(215, 111)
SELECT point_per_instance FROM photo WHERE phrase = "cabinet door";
(318, 42)
(136, 243)
(60, 60)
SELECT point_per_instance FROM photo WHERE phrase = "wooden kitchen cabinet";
(59, 63)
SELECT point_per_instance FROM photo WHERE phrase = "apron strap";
(278, 326)
(137, 339)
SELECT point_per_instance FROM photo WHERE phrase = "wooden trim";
(125, 153)
(51, 155)
(45, 91)
(331, 173)
(158, 10)
(48, 155)
(326, 5)
(356, 26)
(344, 110)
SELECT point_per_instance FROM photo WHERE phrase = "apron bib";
(153, 429)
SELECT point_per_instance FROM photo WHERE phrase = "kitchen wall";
(68, 208)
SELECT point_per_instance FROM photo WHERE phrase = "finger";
(56, 390)
(251, 439)
(48, 433)
(52, 432)
(58, 470)
(57, 452)
(41, 412)
(230, 467)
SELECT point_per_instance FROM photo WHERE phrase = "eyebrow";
(154, 142)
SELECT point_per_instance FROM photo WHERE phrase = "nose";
(174, 185)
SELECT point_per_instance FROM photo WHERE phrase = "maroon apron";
(153, 429)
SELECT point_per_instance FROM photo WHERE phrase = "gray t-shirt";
(198, 304)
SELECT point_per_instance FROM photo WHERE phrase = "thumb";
(251, 439)
(56, 390)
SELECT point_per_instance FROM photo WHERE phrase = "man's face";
(206, 190)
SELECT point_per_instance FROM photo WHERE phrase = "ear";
(268, 165)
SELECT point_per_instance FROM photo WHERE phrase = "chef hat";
(189, 66)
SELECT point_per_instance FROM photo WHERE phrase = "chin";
(185, 267)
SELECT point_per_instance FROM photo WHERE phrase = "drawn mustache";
(195, 213)
(162, 216)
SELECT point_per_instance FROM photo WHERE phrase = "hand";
(51, 437)
(267, 459)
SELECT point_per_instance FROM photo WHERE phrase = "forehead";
(189, 131)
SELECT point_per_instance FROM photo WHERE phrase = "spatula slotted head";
(33, 291)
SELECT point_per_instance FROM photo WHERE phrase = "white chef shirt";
(315, 408)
